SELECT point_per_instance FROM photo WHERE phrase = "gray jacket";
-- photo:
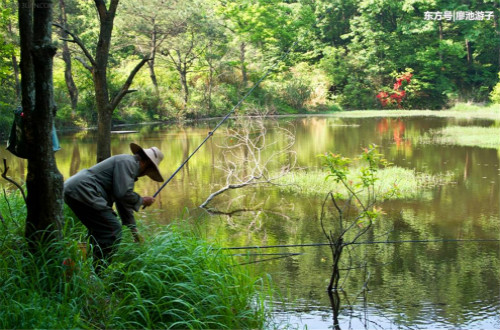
(111, 180)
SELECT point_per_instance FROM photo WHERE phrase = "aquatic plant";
(352, 213)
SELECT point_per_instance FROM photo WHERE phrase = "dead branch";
(247, 157)
(4, 175)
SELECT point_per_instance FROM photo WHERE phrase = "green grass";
(173, 280)
(410, 184)
(459, 111)
(471, 136)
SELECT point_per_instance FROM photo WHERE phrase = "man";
(91, 193)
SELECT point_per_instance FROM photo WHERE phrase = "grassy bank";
(410, 184)
(459, 111)
(172, 280)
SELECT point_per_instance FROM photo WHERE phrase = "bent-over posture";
(91, 193)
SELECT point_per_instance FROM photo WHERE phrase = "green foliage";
(173, 280)
(495, 93)
(296, 93)
(351, 215)
(371, 161)
(346, 51)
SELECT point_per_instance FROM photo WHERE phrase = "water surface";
(434, 285)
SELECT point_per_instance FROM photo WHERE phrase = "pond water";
(421, 285)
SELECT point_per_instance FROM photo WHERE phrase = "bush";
(495, 93)
(296, 93)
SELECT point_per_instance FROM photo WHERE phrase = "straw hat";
(155, 156)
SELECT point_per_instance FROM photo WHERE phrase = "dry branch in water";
(251, 156)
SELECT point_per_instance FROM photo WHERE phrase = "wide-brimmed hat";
(155, 156)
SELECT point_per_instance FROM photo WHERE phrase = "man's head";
(150, 159)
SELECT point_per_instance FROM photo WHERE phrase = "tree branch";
(4, 175)
(228, 187)
(124, 90)
(101, 8)
(85, 64)
(77, 41)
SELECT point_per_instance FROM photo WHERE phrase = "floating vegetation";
(410, 183)
(471, 136)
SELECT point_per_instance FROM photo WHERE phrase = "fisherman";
(91, 193)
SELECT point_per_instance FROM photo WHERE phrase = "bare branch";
(4, 175)
(247, 158)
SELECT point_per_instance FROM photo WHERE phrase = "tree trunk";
(44, 182)
(185, 87)
(101, 81)
(15, 67)
(469, 51)
(66, 55)
(104, 115)
(151, 63)
(152, 75)
(98, 67)
(243, 67)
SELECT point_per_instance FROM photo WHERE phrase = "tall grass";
(172, 281)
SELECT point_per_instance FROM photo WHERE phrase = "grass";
(459, 111)
(472, 136)
(172, 281)
(410, 184)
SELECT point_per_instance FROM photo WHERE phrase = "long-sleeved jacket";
(111, 180)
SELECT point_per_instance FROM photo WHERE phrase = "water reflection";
(433, 285)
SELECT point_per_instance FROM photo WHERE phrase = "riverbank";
(459, 111)
(173, 279)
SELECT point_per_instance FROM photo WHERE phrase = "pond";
(450, 281)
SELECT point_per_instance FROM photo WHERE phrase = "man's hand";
(147, 201)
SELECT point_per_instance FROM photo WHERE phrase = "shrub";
(495, 93)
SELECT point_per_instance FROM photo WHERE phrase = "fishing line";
(224, 119)
(359, 243)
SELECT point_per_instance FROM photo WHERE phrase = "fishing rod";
(224, 119)
(359, 243)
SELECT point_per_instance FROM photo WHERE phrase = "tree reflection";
(335, 303)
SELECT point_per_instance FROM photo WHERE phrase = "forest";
(196, 59)
(416, 79)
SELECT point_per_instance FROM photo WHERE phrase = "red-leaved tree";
(396, 95)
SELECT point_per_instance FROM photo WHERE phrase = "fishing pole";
(359, 243)
(224, 119)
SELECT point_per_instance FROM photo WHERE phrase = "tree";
(355, 210)
(149, 24)
(267, 24)
(98, 66)
(185, 50)
(66, 56)
(44, 182)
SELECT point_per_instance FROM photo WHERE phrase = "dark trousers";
(104, 230)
